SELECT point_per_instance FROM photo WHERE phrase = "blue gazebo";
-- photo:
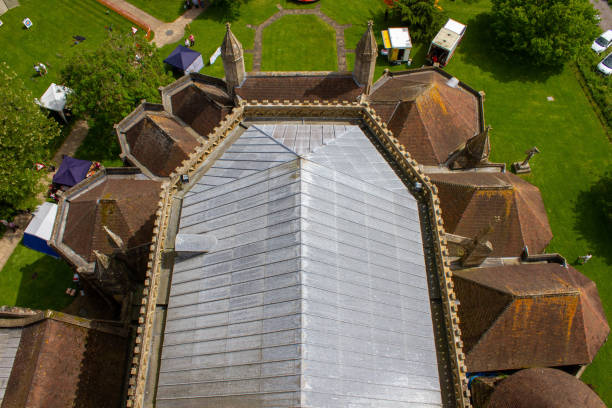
(185, 59)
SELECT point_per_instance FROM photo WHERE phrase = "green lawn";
(164, 10)
(32, 279)
(50, 40)
(575, 151)
(299, 43)
(209, 28)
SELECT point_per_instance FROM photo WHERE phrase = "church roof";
(316, 292)
(543, 388)
(528, 315)
(125, 203)
(159, 143)
(330, 87)
(59, 364)
(201, 106)
(472, 201)
(430, 118)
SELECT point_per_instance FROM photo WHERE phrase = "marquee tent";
(71, 171)
(54, 99)
(39, 230)
(185, 59)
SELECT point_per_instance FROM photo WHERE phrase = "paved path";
(72, 142)
(165, 33)
(10, 240)
(605, 13)
(338, 28)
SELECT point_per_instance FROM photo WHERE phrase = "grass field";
(164, 10)
(209, 28)
(575, 151)
(50, 40)
(312, 49)
(32, 279)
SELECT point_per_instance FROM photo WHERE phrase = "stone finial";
(365, 59)
(114, 238)
(103, 260)
(475, 151)
(478, 148)
(233, 60)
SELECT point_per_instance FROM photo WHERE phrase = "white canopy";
(54, 98)
(42, 223)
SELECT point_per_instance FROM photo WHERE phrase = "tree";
(422, 17)
(111, 80)
(547, 32)
(25, 135)
(227, 10)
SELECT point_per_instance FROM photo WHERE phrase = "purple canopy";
(71, 171)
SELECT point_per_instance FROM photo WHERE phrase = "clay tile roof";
(160, 143)
(125, 205)
(429, 118)
(543, 388)
(527, 315)
(471, 201)
(201, 106)
(314, 87)
(63, 365)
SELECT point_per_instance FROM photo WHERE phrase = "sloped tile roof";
(160, 143)
(296, 87)
(430, 118)
(64, 365)
(201, 106)
(471, 201)
(528, 315)
(125, 205)
(543, 388)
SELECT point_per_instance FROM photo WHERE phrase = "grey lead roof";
(315, 294)
(9, 343)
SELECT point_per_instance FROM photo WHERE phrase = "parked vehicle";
(445, 42)
(602, 42)
(397, 45)
(605, 66)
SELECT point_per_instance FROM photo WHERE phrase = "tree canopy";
(111, 80)
(547, 32)
(25, 135)
(422, 17)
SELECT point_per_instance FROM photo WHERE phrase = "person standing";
(187, 43)
(191, 40)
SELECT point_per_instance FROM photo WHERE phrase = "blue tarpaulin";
(39, 230)
(71, 171)
(185, 59)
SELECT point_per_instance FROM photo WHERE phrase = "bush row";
(597, 84)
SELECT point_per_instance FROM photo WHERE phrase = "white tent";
(54, 99)
(39, 229)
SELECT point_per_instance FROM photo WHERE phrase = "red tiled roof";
(126, 206)
(160, 143)
(201, 106)
(528, 315)
(471, 201)
(543, 388)
(63, 365)
(428, 117)
(314, 87)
